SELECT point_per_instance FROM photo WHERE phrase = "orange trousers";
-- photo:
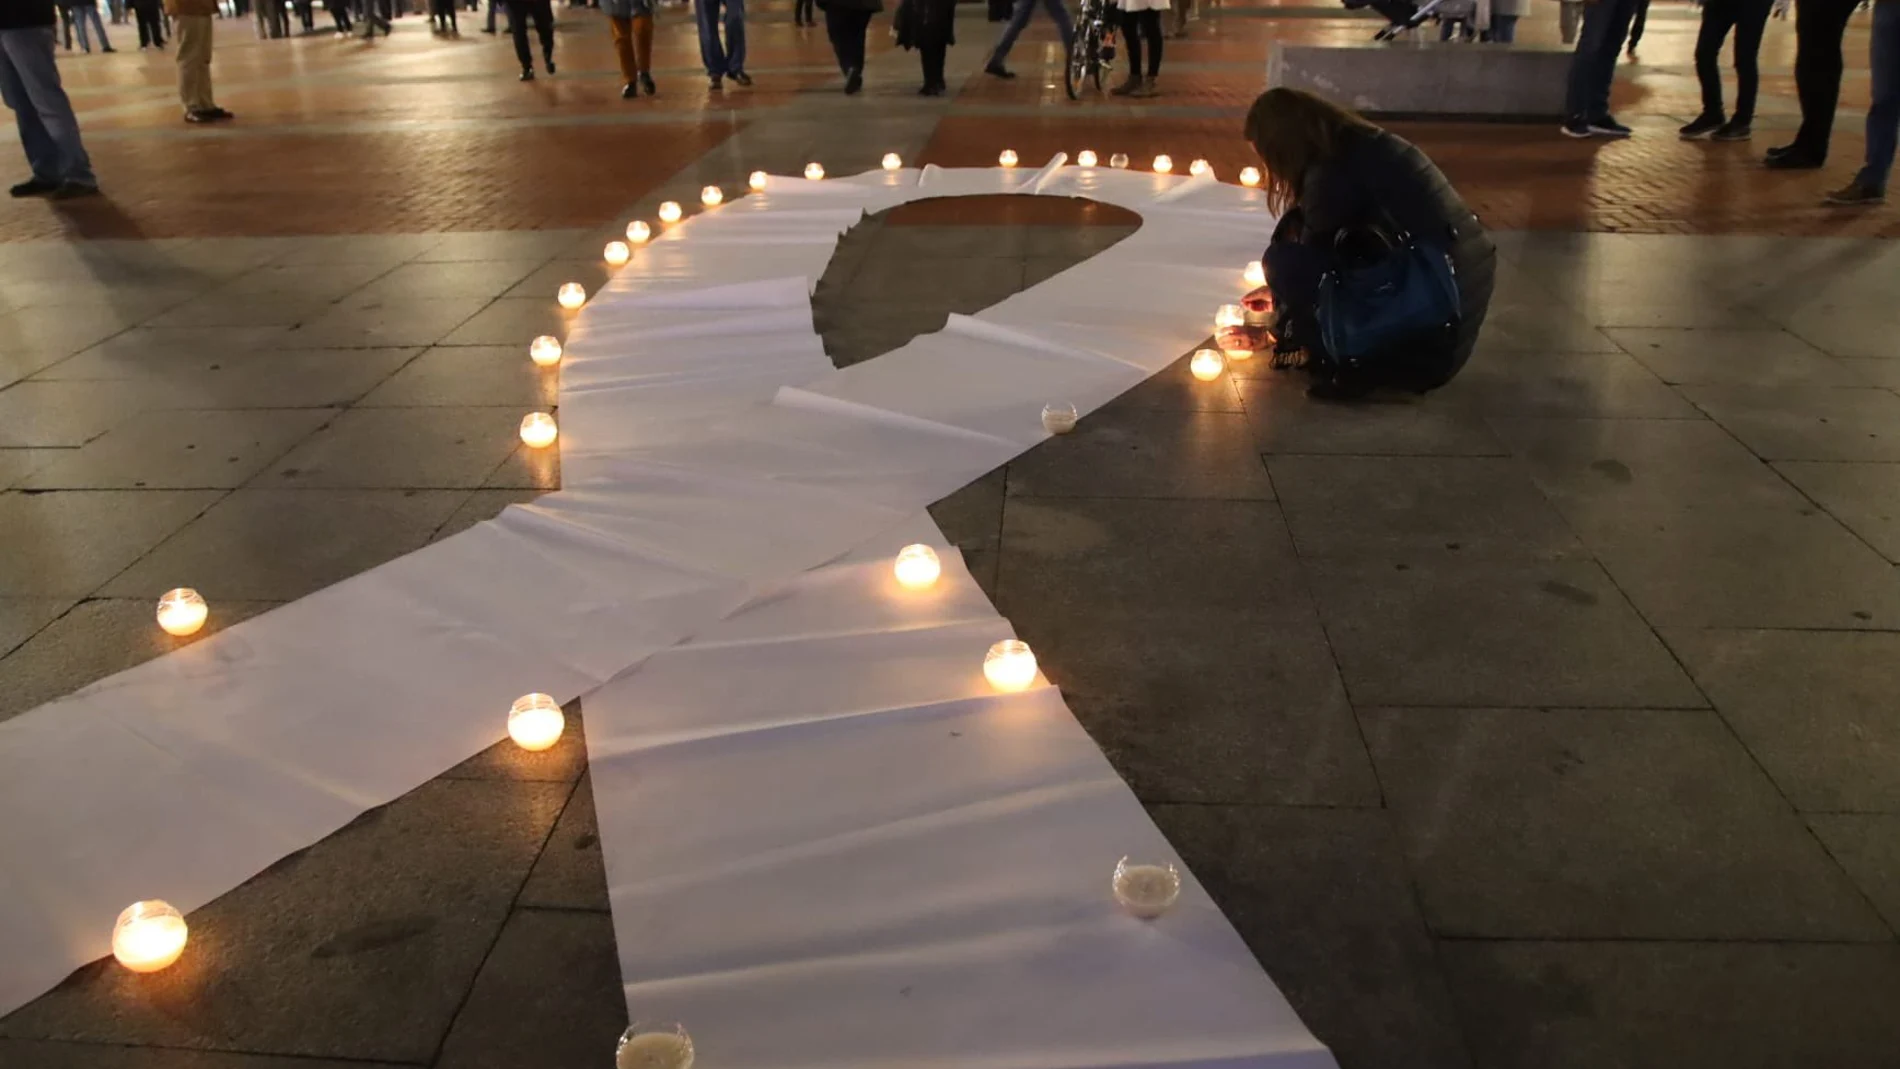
(633, 45)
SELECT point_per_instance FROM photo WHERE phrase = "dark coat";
(1380, 179)
(25, 14)
(919, 21)
(851, 5)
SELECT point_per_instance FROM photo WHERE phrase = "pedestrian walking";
(1748, 18)
(87, 11)
(1018, 21)
(727, 59)
(29, 83)
(191, 23)
(1819, 26)
(1141, 33)
(930, 27)
(150, 16)
(846, 22)
(1883, 115)
(541, 14)
(1593, 68)
(632, 22)
(1504, 16)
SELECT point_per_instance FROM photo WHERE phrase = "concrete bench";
(1428, 79)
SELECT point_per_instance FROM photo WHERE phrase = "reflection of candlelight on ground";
(182, 611)
(535, 722)
(1147, 891)
(148, 936)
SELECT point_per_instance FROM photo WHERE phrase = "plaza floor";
(1546, 721)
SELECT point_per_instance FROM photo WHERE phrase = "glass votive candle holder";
(545, 351)
(616, 253)
(814, 170)
(670, 211)
(1058, 417)
(1085, 158)
(639, 232)
(1200, 168)
(182, 611)
(1146, 890)
(1207, 364)
(149, 935)
(654, 1046)
(1007, 157)
(917, 567)
(712, 196)
(1254, 274)
(1010, 666)
(538, 430)
(1250, 176)
(1164, 164)
(535, 722)
(1119, 161)
(892, 161)
(571, 295)
(1230, 315)
(756, 181)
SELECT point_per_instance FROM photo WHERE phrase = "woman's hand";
(1259, 301)
(1244, 339)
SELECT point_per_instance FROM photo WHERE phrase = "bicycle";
(1092, 49)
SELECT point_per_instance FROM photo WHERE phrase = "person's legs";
(51, 140)
(1883, 116)
(1718, 16)
(643, 43)
(1059, 11)
(623, 49)
(518, 20)
(194, 62)
(1018, 20)
(1593, 65)
(1569, 19)
(931, 52)
(1149, 23)
(1504, 29)
(1131, 40)
(1751, 21)
(79, 27)
(1819, 26)
(711, 53)
(735, 39)
(543, 14)
(1637, 23)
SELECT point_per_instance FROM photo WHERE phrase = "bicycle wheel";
(1082, 62)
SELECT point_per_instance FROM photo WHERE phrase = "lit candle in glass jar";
(545, 351)
(1007, 158)
(1230, 315)
(1164, 164)
(535, 722)
(538, 430)
(148, 936)
(670, 212)
(1086, 157)
(1119, 161)
(892, 161)
(572, 295)
(814, 170)
(617, 253)
(1207, 365)
(1200, 168)
(757, 181)
(638, 232)
(712, 196)
(1010, 665)
(1250, 176)
(1058, 417)
(917, 567)
(1255, 274)
(182, 611)
(1147, 891)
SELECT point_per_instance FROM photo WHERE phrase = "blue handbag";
(1383, 305)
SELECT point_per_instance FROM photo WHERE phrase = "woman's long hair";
(1292, 130)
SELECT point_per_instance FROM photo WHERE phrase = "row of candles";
(150, 935)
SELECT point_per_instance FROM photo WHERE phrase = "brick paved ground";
(1545, 722)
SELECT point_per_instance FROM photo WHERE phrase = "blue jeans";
(1883, 116)
(1019, 19)
(730, 59)
(1504, 29)
(1593, 66)
(29, 83)
(82, 13)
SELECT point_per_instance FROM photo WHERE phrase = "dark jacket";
(25, 14)
(921, 21)
(1380, 179)
(852, 5)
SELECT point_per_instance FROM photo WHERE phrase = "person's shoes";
(33, 187)
(997, 70)
(630, 91)
(199, 117)
(1607, 126)
(1146, 89)
(741, 78)
(1704, 125)
(73, 191)
(527, 74)
(1734, 130)
(1576, 127)
(1795, 161)
(550, 63)
(853, 81)
(717, 83)
(1852, 195)
(217, 114)
(1131, 87)
(931, 89)
(1781, 150)
(106, 48)
(646, 84)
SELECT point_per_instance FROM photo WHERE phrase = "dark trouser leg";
(1819, 26)
(1750, 23)
(1883, 117)
(518, 25)
(1638, 22)
(543, 12)
(1718, 17)
(1150, 23)
(1131, 40)
(1593, 66)
(931, 51)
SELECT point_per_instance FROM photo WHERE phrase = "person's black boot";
(527, 74)
(630, 91)
(853, 81)
(646, 83)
